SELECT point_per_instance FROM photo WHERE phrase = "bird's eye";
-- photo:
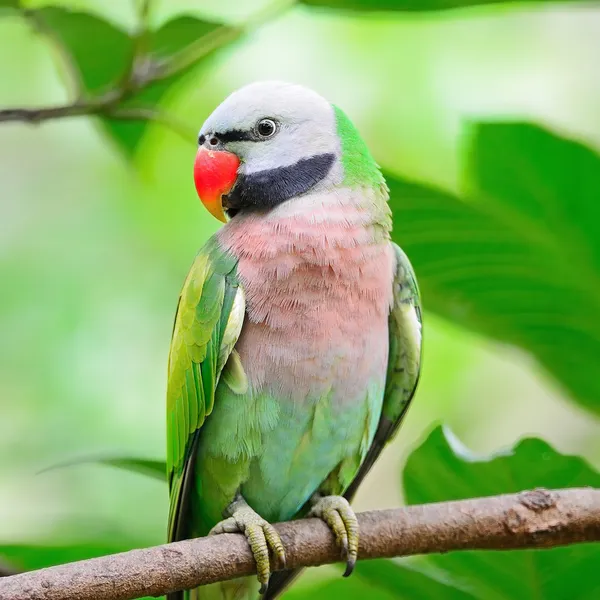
(266, 128)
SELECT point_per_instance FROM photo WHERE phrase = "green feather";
(201, 323)
(360, 168)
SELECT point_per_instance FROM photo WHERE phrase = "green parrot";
(296, 346)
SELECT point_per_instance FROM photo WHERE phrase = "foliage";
(518, 258)
(390, 6)
(454, 473)
(513, 254)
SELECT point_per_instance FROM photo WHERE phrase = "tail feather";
(280, 581)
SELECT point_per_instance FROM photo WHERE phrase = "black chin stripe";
(266, 189)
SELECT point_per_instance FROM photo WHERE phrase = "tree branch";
(144, 69)
(535, 519)
(75, 109)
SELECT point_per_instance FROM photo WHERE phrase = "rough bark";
(534, 519)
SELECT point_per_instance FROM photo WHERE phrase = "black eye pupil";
(266, 128)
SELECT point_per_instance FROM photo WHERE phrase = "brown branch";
(144, 70)
(536, 519)
(75, 109)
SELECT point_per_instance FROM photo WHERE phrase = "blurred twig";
(145, 70)
(535, 519)
(75, 109)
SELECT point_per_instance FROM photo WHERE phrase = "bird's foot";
(337, 513)
(260, 534)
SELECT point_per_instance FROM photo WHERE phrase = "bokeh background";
(95, 242)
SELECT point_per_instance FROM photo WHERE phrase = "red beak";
(215, 172)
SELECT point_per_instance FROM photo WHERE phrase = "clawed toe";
(341, 519)
(261, 536)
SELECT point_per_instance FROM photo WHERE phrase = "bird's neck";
(335, 217)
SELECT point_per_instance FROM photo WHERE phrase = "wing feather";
(207, 325)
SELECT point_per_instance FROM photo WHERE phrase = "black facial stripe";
(266, 189)
(235, 135)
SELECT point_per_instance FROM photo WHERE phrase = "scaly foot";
(336, 512)
(260, 534)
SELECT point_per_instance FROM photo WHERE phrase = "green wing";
(404, 361)
(207, 325)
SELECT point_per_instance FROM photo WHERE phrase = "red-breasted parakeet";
(297, 341)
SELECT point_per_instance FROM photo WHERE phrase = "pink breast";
(318, 293)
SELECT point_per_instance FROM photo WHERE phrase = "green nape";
(360, 168)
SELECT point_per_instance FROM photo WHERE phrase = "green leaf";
(405, 582)
(355, 589)
(152, 468)
(414, 5)
(442, 469)
(8, 6)
(170, 39)
(98, 51)
(144, 466)
(519, 261)
(100, 54)
(381, 580)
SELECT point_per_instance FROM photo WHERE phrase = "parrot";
(296, 346)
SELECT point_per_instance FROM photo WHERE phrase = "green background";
(487, 124)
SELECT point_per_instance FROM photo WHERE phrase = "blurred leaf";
(382, 580)
(152, 468)
(442, 469)
(415, 5)
(521, 262)
(354, 589)
(8, 7)
(168, 40)
(406, 582)
(99, 52)
(179, 33)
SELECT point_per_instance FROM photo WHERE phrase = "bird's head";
(269, 142)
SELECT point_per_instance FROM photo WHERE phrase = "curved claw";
(350, 564)
(339, 516)
(261, 536)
